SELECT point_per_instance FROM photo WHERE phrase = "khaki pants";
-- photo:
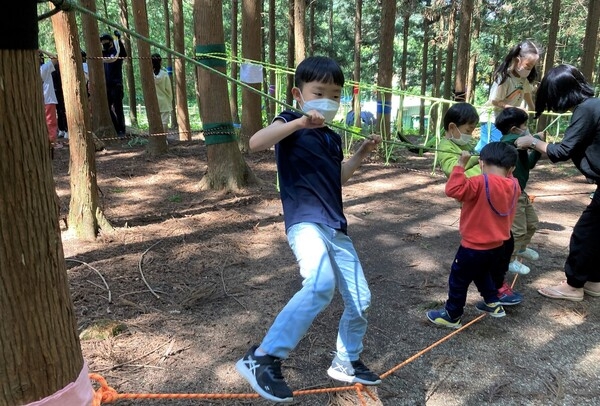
(524, 225)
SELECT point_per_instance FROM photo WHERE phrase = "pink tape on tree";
(78, 393)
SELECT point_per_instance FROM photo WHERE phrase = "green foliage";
(503, 24)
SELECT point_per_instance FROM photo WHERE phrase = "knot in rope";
(105, 394)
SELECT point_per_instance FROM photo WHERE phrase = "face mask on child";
(463, 140)
(327, 107)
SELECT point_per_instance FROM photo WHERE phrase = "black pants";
(583, 261)
(499, 273)
(115, 104)
(473, 266)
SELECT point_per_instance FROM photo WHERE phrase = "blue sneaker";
(442, 318)
(493, 309)
(508, 297)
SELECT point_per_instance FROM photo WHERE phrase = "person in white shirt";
(164, 91)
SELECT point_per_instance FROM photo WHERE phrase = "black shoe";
(264, 375)
(352, 372)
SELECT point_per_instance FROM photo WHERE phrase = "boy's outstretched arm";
(279, 129)
(352, 164)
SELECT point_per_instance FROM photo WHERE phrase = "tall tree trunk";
(299, 30)
(129, 75)
(39, 347)
(590, 41)
(311, 39)
(167, 15)
(357, 46)
(233, 97)
(102, 125)
(403, 62)
(290, 52)
(226, 166)
(183, 115)
(272, 60)
(157, 144)
(251, 49)
(450, 50)
(385, 69)
(472, 74)
(85, 216)
(550, 52)
(424, 63)
(463, 51)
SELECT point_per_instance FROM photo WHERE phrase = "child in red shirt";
(488, 199)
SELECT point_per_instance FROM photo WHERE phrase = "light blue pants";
(327, 258)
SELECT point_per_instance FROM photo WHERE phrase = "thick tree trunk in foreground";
(226, 166)
(85, 216)
(39, 347)
(463, 51)
(299, 30)
(590, 41)
(356, 75)
(131, 93)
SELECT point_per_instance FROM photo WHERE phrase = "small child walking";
(311, 174)
(512, 123)
(490, 199)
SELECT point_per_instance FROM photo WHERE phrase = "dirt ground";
(220, 269)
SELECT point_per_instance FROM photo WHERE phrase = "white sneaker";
(517, 267)
(528, 253)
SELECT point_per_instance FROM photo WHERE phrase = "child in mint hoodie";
(512, 123)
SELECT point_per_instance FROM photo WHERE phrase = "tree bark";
(129, 75)
(463, 51)
(156, 144)
(251, 49)
(226, 166)
(299, 30)
(169, 60)
(357, 45)
(550, 52)
(85, 215)
(272, 60)
(39, 347)
(590, 41)
(183, 115)
(450, 50)
(102, 125)
(290, 53)
(233, 97)
(424, 63)
(385, 69)
(472, 74)
(403, 62)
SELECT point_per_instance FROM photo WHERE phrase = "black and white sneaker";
(352, 372)
(264, 375)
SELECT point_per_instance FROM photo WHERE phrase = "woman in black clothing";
(563, 89)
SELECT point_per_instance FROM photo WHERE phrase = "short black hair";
(459, 114)
(106, 37)
(510, 117)
(320, 69)
(563, 88)
(499, 154)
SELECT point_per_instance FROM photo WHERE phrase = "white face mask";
(523, 73)
(463, 140)
(327, 107)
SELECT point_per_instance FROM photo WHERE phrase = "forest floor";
(221, 269)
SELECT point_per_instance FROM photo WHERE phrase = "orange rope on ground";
(106, 394)
(423, 351)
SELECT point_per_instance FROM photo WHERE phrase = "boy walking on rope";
(489, 199)
(311, 174)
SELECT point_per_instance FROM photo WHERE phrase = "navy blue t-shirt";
(309, 164)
